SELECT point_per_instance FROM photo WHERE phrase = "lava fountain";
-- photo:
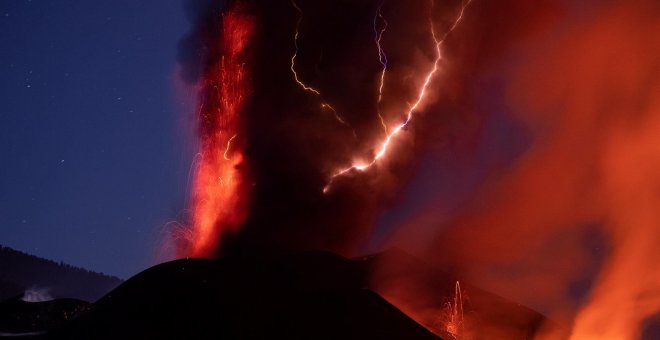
(220, 191)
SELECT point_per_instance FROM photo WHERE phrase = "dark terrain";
(20, 272)
(311, 295)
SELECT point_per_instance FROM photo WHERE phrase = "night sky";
(95, 143)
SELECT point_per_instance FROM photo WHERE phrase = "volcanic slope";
(308, 295)
(313, 295)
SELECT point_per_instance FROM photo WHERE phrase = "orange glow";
(451, 319)
(219, 198)
(585, 87)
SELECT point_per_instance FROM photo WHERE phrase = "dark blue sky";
(95, 145)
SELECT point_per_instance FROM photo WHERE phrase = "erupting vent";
(220, 194)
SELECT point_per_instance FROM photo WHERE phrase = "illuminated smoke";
(562, 197)
(566, 225)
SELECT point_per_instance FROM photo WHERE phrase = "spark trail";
(455, 322)
(382, 58)
(382, 150)
(308, 88)
(228, 147)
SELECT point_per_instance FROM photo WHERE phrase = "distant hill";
(42, 279)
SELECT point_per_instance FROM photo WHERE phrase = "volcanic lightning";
(295, 54)
(308, 88)
(382, 150)
(382, 58)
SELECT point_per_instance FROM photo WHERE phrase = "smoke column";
(290, 94)
(540, 123)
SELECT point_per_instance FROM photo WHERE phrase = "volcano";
(309, 295)
(510, 145)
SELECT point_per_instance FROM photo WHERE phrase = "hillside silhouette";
(41, 279)
(310, 295)
(314, 295)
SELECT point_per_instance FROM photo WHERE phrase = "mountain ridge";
(22, 273)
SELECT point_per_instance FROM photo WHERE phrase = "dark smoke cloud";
(195, 48)
(550, 75)
(293, 145)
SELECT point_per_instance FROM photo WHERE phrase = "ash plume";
(542, 117)
(294, 141)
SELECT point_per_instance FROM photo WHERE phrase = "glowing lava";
(454, 324)
(219, 192)
(382, 150)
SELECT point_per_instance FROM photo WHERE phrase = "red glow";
(219, 193)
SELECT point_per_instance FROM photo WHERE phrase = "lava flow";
(219, 198)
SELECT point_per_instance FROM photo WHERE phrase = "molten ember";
(454, 322)
(220, 195)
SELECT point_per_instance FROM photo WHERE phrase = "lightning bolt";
(382, 58)
(308, 88)
(384, 146)
(295, 55)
